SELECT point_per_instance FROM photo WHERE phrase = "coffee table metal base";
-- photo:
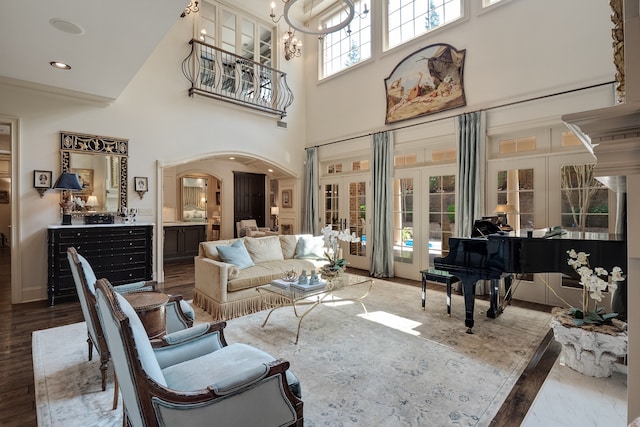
(303, 303)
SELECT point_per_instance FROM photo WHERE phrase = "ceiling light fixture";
(289, 16)
(193, 7)
(60, 65)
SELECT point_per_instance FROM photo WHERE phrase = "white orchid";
(593, 285)
(332, 239)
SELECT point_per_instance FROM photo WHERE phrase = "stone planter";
(590, 350)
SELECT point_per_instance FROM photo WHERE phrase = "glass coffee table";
(303, 302)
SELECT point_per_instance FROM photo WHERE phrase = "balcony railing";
(219, 74)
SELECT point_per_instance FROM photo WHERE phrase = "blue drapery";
(311, 206)
(381, 239)
(470, 185)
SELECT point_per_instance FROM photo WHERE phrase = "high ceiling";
(104, 41)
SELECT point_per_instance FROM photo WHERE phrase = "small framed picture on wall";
(142, 183)
(287, 198)
(42, 179)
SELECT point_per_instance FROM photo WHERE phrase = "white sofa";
(227, 290)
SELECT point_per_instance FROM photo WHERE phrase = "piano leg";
(468, 288)
(494, 292)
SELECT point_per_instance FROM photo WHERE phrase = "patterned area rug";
(397, 365)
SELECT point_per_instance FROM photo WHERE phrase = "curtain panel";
(381, 239)
(311, 212)
(470, 185)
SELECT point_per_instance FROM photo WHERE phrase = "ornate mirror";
(101, 163)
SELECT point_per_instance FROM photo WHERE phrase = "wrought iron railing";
(223, 75)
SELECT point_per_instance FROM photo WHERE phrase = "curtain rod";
(482, 109)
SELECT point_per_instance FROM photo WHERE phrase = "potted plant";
(333, 253)
(591, 339)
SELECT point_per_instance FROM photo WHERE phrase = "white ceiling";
(117, 36)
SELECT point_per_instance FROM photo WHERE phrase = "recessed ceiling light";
(270, 170)
(66, 26)
(232, 158)
(60, 65)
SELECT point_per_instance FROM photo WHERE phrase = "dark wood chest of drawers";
(120, 253)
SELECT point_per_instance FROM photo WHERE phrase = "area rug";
(396, 365)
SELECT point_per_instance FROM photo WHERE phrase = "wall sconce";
(67, 182)
(292, 46)
(42, 181)
(141, 185)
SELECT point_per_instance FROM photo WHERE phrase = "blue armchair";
(194, 378)
(179, 314)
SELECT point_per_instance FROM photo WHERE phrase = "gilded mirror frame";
(72, 142)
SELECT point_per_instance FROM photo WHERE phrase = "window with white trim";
(408, 19)
(349, 46)
(487, 3)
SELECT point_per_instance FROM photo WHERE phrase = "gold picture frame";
(86, 180)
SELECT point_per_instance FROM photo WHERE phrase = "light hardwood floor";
(17, 395)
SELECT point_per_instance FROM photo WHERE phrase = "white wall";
(162, 124)
(519, 50)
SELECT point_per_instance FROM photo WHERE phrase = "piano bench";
(438, 276)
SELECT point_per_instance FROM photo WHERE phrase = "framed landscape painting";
(426, 82)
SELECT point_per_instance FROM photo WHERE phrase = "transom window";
(487, 3)
(344, 48)
(407, 19)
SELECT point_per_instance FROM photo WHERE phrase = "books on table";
(280, 283)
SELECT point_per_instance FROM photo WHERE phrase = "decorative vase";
(589, 349)
(330, 271)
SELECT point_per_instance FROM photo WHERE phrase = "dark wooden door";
(249, 197)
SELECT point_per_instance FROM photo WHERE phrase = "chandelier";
(298, 8)
(192, 7)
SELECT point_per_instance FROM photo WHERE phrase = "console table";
(121, 253)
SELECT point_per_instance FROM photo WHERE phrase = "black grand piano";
(498, 255)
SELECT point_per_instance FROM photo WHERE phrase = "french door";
(345, 207)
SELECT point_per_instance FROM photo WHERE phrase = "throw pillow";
(288, 242)
(309, 246)
(236, 254)
(264, 249)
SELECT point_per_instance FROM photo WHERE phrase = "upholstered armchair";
(194, 378)
(179, 314)
(249, 228)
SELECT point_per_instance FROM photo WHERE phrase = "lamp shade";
(92, 201)
(506, 209)
(275, 210)
(68, 181)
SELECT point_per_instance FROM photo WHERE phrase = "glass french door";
(345, 207)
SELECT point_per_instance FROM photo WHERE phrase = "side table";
(150, 307)
(438, 276)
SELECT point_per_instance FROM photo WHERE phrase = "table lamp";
(503, 211)
(275, 211)
(67, 182)
(92, 202)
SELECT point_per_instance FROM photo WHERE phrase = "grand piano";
(498, 255)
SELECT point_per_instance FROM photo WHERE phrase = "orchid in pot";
(593, 284)
(333, 253)
(591, 339)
